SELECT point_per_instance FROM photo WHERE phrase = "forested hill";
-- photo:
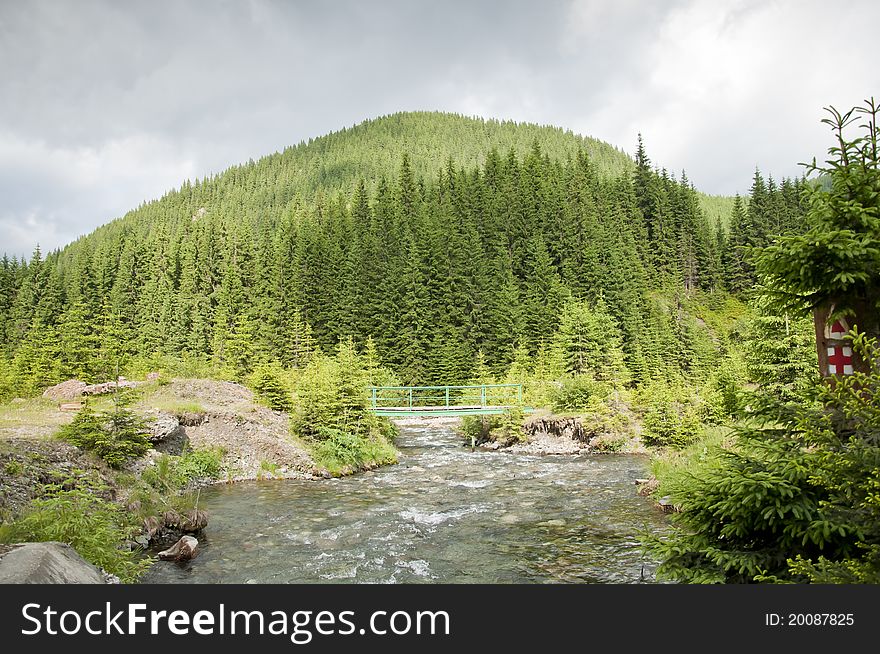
(452, 243)
(372, 149)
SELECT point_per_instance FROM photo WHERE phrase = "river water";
(443, 514)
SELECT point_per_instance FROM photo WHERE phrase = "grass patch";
(13, 468)
(670, 463)
(33, 412)
(185, 366)
(343, 453)
(179, 407)
(267, 469)
(93, 526)
(172, 474)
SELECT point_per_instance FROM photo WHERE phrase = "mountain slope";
(373, 149)
(465, 242)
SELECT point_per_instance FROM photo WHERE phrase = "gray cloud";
(106, 104)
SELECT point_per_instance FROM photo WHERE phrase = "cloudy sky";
(106, 104)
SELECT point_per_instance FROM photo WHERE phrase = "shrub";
(340, 451)
(576, 392)
(475, 429)
(792, 498)
(183, 365)
(609, 443)
(668, 423)
(509, 427)
(93, 526)
(332, 413)
(504, 428)
(117, 436)
(670, 415)
(268, 383)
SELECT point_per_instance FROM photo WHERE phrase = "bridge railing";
(481, 395)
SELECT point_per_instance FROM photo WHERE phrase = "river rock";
(47, 563)
(182, 550)
(666, 505)
(66, 390)
(193, 521)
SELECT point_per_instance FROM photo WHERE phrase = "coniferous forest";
(462, 245)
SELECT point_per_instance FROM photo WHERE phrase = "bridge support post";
(447, 397)
(410, 398)
(374, 398)
(483, 395)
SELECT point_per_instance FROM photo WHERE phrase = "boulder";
(167, 434)
(182, 550)
(66, 390)
(47, 563)
(163, 427)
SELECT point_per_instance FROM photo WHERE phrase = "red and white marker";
(840, 357)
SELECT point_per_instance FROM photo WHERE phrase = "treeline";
(473, 264)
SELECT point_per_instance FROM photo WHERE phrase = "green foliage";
(181, 364)
(509, 427)
(670, 464)
(269, 383)
(577, 392)
(267, 469)
(670, 415)
(794, 498)
(331, 411)
(779, 350)
(505, 428)
(424, 237)
(588, 341)
(116, 436)
(475, 429)
(94, 527)
(837, 259)
(172, 474)
(340, 451)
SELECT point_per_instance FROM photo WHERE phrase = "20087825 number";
(809, 619)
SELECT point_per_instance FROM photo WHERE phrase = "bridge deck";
(483, 399)
(406, 411)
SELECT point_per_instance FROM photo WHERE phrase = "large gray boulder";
(167, 434)
(47, 563)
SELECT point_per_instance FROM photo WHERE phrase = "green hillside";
(372, 149)
(447, 241)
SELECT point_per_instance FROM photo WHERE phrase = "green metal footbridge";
(407, 401)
